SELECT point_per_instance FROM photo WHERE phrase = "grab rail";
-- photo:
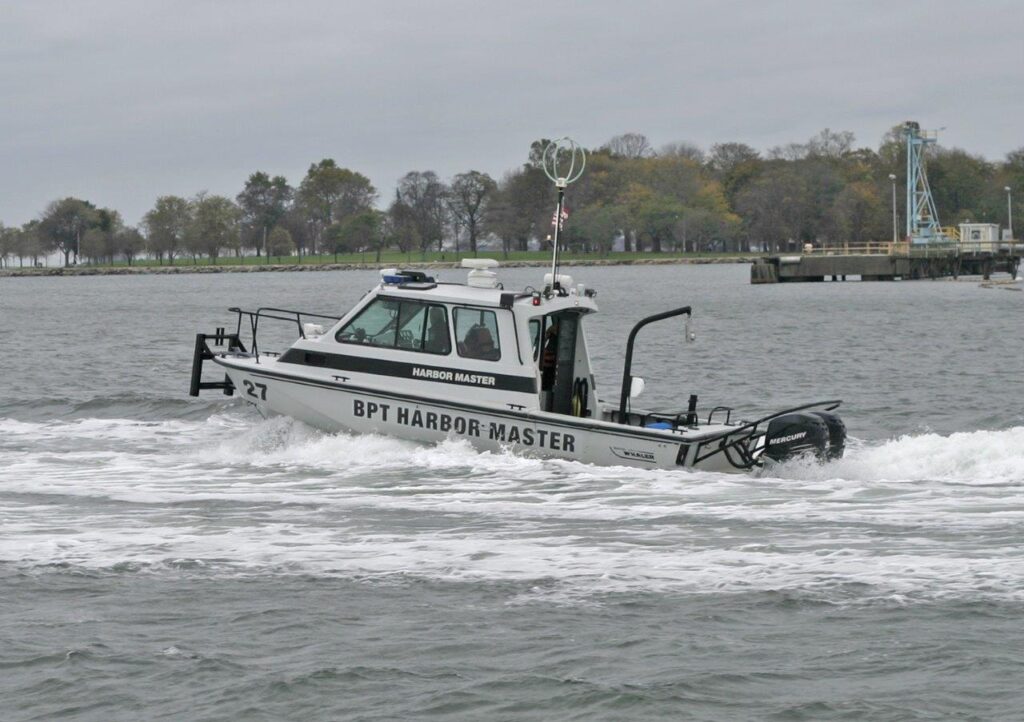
(627, 378)
(751, 427)
(952, 246)
(270, 313)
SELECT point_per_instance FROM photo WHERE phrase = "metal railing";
(871, 248)
(917, 250)
(276, 314)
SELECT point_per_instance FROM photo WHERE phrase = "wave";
(925, 516)
(984, 458)
(145, 407)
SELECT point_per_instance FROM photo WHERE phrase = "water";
(169, 558)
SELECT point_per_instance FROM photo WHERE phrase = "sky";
(121, 102)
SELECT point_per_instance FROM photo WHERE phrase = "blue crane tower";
(922, 218)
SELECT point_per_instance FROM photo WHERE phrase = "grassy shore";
(369, 260)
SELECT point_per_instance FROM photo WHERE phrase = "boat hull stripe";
(404, 370)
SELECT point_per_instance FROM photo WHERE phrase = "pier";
(927, 249)
(889, 262)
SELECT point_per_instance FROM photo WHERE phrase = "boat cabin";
(473, 342)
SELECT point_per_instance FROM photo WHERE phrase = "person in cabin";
(437, 332)
(549, 355)
(479, 344)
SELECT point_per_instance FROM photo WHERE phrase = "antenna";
(556, 152)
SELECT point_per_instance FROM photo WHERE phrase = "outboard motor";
(836, 434)
(799, 433)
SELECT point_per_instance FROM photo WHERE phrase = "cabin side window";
(408, 325)
(476, 332)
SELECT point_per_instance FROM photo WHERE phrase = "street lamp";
(1009, 211)
(895, 237)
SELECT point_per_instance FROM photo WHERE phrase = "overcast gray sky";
(120, 102)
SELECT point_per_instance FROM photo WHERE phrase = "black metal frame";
(203, 353)
(749, 430)
(268, 313)
(627, 379)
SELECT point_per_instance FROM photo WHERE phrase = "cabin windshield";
(408, 325)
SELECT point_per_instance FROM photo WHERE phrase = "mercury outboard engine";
(807, 432)
(836, 434)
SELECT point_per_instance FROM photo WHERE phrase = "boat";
(425, 360)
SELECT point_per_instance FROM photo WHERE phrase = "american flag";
(565, 217)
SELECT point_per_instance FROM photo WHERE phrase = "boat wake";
(918, 517)
(981, 458)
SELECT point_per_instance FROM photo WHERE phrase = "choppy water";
(169, 558)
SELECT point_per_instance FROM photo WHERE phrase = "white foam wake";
(970, 457)
(920, 516)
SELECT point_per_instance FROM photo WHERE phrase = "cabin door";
(563, 389)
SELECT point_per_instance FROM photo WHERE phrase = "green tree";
(358, 232)
(962, 185)
(630, 145)
(263, 202)
(329, 194)
(772, 208)
(831, 144)
(279, 242)
(892, 151)
(7, 236)
(860, 213)
(653, 216)
(683, 149)
(470, 195)
(94, 245)
(215, 226)
(734, 165)
(99, 242)
(401, 228)
(1011, 174)
(166, 226)
(30, 243)
(129, 243)
(63, 225)
(595, 227)
(426, 198)
(522, 208)
(701, 229)
(335, 240)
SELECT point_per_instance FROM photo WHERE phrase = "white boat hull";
(335, 405)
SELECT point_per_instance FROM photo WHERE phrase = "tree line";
(679, 198)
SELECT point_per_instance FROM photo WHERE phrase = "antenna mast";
(564, 149)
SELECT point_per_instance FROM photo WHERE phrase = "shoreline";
(373, 266)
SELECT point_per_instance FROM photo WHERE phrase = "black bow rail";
(277, 315)
(204, 353)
